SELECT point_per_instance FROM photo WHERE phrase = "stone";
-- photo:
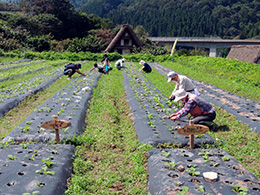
(210, 176)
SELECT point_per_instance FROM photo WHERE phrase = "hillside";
(224, 18)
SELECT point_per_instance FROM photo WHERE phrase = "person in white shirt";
(120, 64)
(182, 82)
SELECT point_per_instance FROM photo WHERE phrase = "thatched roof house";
(245, 53)
(124, 41)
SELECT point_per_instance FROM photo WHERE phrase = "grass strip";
(237, 138)
(110, 160)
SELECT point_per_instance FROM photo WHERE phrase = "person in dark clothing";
(146, 67)
(71, 68)
(99, 68)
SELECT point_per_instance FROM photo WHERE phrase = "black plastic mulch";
(18, 168)
(171, 171)
(246, 110)
(15, 97)
(150, 109)
(69, 103)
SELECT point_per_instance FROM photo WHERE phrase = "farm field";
(112, 152)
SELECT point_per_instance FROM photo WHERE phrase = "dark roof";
(123, 29)
(245, 53)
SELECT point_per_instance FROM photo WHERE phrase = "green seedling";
(199, 136)
(65, 130)
(205, 156)
(4, 144)
(150, 116)
(151, 124)
(40, 110)
(28, 122)
(201, 189)
(11, 157)
(240, 190)
(166, 154)
(171, 165)
(184, 190)
(25, 129)
(193, 171)
(32, 157)
(44, 171)
(24, 146)
(48, 110)
(216, 164)
(48, 162)
(39, 184)
(225, 158)
(54, 152)
(171, 128)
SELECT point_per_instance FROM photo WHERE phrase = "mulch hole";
(20, 173)
(173, 175)
(195, 181)
(251, 182)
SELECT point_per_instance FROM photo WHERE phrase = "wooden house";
(124, 41)
(245, 53)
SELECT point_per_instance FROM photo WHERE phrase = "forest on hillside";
(183, 18)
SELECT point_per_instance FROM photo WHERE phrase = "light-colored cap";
(170, 75)
(142, 62)
(180, 94)
(123, 59)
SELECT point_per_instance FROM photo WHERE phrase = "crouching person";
(200, 110)
(71, 68)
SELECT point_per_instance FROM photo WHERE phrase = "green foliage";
(227, 19)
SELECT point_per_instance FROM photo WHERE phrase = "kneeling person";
(200, 110)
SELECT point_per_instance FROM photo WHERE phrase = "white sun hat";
(170, 75)
(180, 94)
(142, 62)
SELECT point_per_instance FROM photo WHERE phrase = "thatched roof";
(124, 28)
(245, 53)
